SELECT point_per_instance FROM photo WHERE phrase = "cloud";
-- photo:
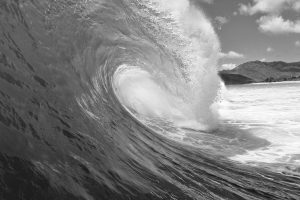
(263, 59)
(203, 1)
(278, 25)
(270, 49)
(208, 1)
(297, 43)
(220, 21)
(272, 21)
(269, 6)
(228, 66)
(297, 6)
(232, 55)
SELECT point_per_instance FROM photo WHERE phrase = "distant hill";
(257, 71)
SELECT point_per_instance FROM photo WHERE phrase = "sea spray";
(186, 98)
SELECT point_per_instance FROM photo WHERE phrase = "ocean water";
(120, 99)
(269, 111)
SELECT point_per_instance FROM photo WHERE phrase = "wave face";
(94, 95)
(176, 79)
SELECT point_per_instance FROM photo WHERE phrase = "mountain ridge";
(258, 72)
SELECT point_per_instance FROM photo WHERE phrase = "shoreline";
(261, 83)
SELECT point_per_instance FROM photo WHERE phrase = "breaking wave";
(103, 100)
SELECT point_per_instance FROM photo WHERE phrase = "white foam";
(138, 90)
(270, 112)
(186, 101)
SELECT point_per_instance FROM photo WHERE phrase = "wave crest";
(183, 92)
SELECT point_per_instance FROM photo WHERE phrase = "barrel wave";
(101, 99)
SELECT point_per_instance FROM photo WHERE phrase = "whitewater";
(273, 117)
(121, 99)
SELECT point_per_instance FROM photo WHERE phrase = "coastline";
(275, 82)
(261, 72)
(263, 83)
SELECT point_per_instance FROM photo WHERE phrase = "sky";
(265, 30)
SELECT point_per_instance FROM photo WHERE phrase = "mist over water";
(182, 92)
